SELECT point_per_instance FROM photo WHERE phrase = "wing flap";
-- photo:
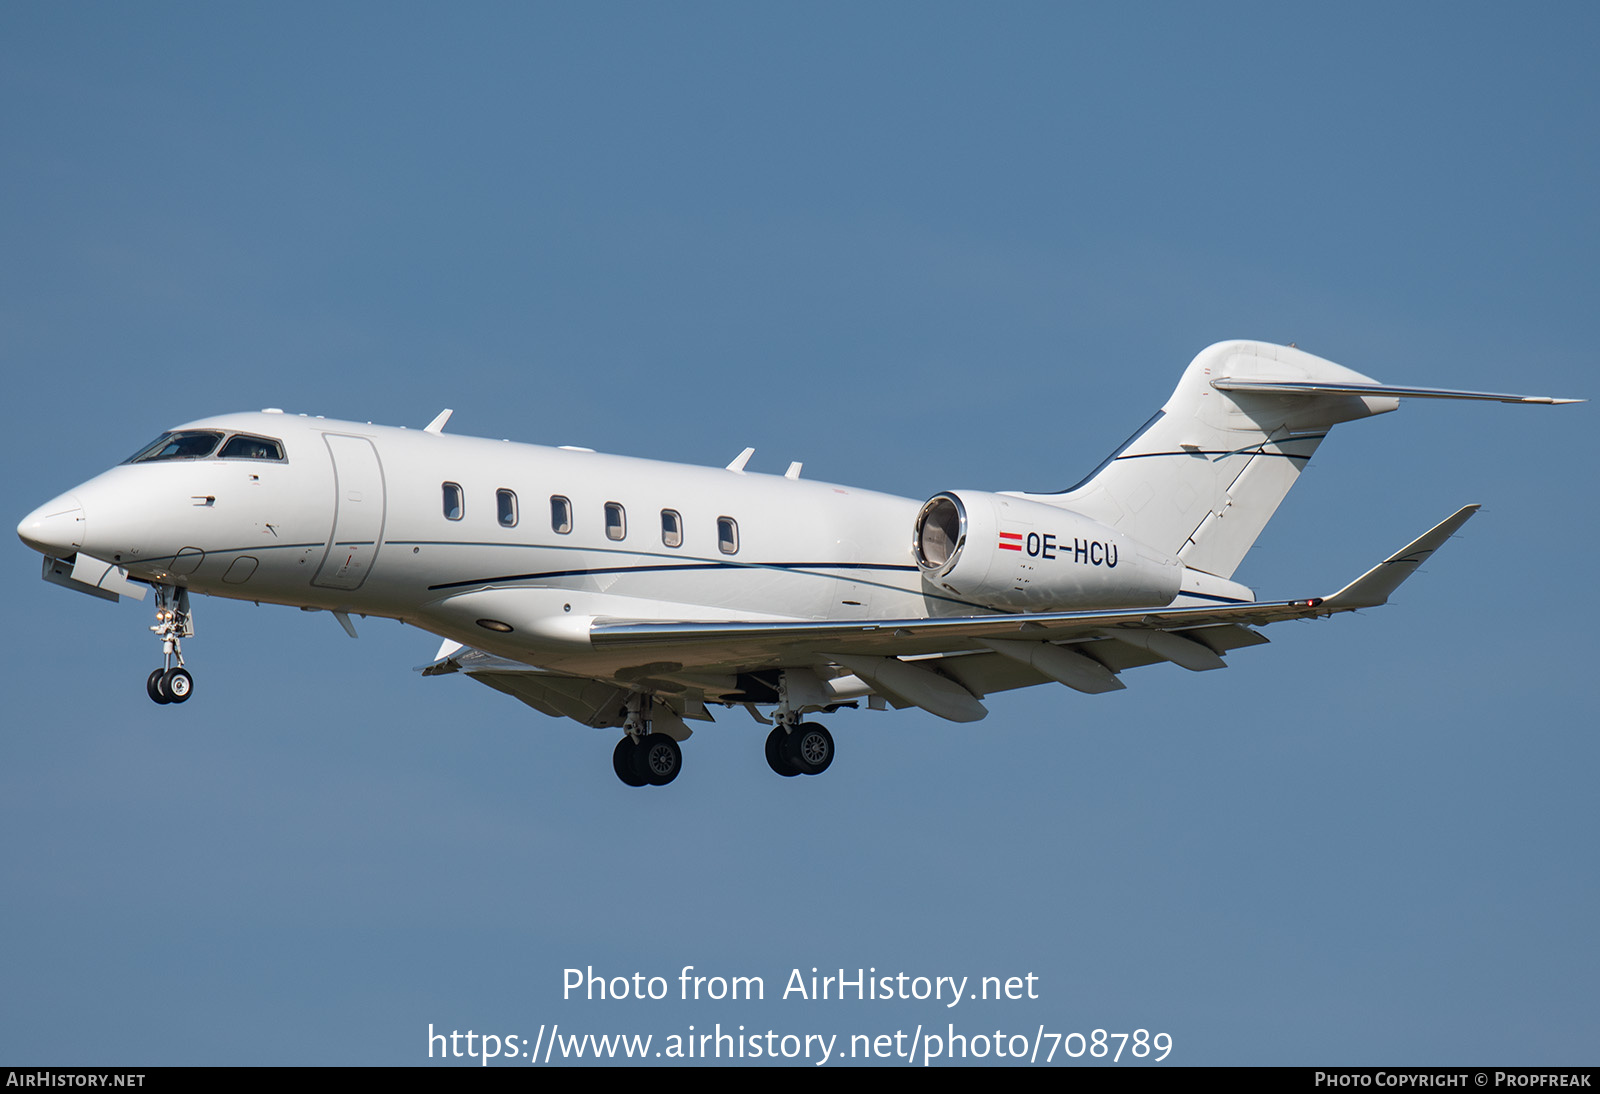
(591, 702)
(909, 637)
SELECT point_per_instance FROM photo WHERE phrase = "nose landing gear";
(171, 683)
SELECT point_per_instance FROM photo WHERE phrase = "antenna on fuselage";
(437, 425)
(737, 466)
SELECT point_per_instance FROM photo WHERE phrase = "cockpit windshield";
(191, 444)
(198, 444)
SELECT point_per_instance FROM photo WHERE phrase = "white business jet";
(634, 594)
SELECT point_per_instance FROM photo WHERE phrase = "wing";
(945, 666)
(591, 701)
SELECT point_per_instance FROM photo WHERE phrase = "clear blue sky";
(919, 247)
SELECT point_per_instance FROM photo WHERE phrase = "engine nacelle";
(1008, 553)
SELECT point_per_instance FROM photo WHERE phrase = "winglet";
(1373, 587)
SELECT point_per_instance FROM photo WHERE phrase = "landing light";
(495, 625)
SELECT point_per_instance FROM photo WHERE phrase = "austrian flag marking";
(1084, 552)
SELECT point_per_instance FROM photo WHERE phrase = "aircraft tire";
(810, 748)
(776, 757)
(623, 762)
(660, 759)
(153, 686)
(178, 685)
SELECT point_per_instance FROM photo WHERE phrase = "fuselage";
(517, 549)
(395, 522)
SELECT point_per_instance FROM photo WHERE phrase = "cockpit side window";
(189, 444)
(242, 446)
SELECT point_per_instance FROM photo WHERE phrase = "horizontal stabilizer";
(1373, 587)
(1296, 387)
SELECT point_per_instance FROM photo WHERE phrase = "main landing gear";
(795, 747)
(647, 758)
(803, 749)
(643, 758)
(652, 760)
(171, 683)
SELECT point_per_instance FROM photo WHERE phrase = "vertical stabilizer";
(1203, 477)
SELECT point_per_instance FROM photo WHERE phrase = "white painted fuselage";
(355, 518)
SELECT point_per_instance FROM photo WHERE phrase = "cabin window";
(616, 521)
(191, 444)
(505, 505)
(671, 528)
(243, 447)
(560, 514)
(727, 535)
(452, 501)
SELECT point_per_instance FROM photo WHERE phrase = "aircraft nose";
(55, 528)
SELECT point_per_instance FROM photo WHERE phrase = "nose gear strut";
(171, 683)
